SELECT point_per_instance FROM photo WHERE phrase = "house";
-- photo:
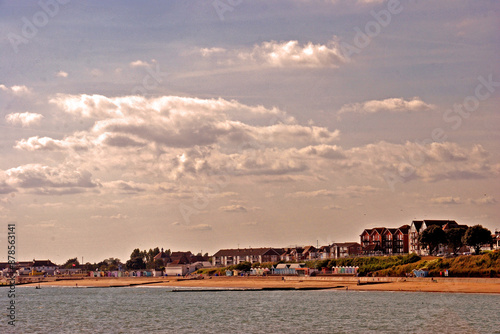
(388, 240)
(385, 241)
(324, 252)
(496, 240)
(163, 257)
(38, 267)
(227, 257)
(345, 249)
(418, 226)
(310, 253)
(401, 240)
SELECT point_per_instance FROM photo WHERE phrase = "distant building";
(344, 249)
(418, 226)
(227, 257)
(385, 241)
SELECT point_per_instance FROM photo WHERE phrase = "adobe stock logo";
(409, 165)
(40, 19)
(371, 30)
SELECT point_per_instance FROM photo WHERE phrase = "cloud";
(446, 200)
(312, 194)
(20, 90)
(200, 227)
(393, 105)
(433, 162)
(140, 63)
(24, 119)
(332, 207)
(126, 187)
(350, 191)
(48, 144)
(95, 72)
(190, 136)
(48, 180)
(205, 52)
(62, 74)
(233, 208)
(284, 54)
(486, 200)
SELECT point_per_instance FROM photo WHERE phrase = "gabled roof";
(390, 231)
(378, 230)
(418, 224)
(367, 231)
(309, 249)
(161, 255)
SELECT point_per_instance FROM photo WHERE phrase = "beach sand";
(464, 285)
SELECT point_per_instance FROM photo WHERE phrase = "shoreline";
(394, 284)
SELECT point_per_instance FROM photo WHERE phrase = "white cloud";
(282, 54)
(62, 74)
(16, 89)
(387, 105)
(140, 63)
(205, 52)
(24, 119)
(77, 143)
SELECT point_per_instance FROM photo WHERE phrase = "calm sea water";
(155, 310)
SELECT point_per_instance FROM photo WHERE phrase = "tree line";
(455, 238)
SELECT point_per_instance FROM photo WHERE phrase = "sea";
(159, 310)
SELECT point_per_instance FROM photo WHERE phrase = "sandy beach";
(457, 285)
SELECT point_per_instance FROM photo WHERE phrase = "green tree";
(135, 263)
(454, 238)
(432, 237)
(136, 260)
(71, 263)
(243, 266)
(475, 236)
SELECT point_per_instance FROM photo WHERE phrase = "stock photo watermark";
(11, 278)
(218, 181)
(150, 80)
(372, 29)
(223, 6)
(31, 27)
(408, 167)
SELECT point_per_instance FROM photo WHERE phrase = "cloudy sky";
(200, 125)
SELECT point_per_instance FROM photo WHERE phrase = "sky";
(201, 125)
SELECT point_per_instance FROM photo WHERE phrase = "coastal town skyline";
(208, 125)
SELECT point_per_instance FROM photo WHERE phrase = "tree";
(135, 263)
(71, 263)
(136, 260)
(432, 237)
(243, 266)
(454, 237)
(475, 236)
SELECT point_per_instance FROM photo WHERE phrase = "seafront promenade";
(427, 284)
